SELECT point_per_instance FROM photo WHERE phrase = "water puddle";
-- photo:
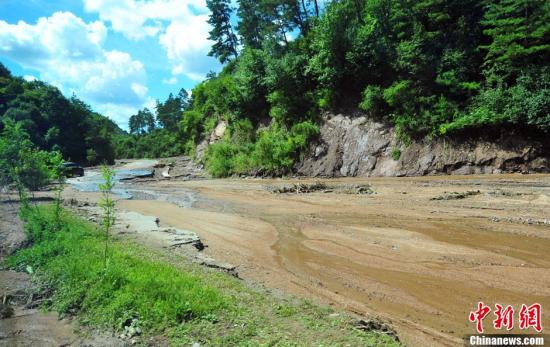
(92, 179)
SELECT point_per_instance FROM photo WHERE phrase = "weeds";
(72, 263)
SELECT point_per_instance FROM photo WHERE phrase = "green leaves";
(55, 122)
(274, 151)
(107, 204)
(225, 41)
(526, 103)
(23, 165)
(520, 37)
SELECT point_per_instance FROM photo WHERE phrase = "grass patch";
(70, 262)
(168, 295)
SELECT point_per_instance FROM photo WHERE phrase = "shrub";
(273, 151)
(219, 159)
(373, 101)
(396, 154)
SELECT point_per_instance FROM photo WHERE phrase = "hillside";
(431, 70)
(55, 122)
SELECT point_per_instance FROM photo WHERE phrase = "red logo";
(505, 317)
(479, 315)
(529, 316)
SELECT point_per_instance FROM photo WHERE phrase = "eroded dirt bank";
(353, 145)
(420, 252)
(22, 322)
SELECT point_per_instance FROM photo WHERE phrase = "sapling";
(107, 204)
(58, 175)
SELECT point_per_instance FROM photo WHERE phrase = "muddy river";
(419, 252)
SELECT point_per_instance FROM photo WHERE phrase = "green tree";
(520, 37)
(225, 40)
(55, 122)
(169, 112)
(249, 23)
(270, 21)
(22, 165)
(184, 99)
(57, 175)
(141, 123)
(107, 204)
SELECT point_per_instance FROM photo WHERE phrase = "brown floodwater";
(406, 254)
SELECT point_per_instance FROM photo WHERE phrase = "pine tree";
(225, 41)
(249, 24)
(169, 112)
(520, 37)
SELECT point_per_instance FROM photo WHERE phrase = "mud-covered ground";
(418, 252)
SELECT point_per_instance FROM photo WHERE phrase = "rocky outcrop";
(357, 146)
(216, 135)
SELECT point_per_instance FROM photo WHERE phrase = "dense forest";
(54, 123)
(432, 68)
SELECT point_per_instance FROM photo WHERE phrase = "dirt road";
(420, 252)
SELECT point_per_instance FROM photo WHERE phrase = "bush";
(190, 126)
(219, 159)
(396, 154)
(274, 151)
(528, 102)
(276, 148)
(373, 101)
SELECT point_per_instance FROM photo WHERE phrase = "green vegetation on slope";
(54, 122)
(167, 294)
(431, 67)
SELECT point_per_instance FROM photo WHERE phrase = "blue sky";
(118, 56)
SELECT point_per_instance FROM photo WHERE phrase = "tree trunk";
(301, 21)
(316, 8)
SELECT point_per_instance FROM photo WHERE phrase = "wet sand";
(423, 264)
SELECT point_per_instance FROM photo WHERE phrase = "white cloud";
(140, 89)
(62, 34)
(187, 45)
(125, 17)
(171, 80)
(29, 78)
(68, 53)
(139, 19)
(180, 25)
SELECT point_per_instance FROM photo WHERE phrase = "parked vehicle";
(72, 169)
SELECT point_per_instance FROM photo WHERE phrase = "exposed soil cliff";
(361, 147)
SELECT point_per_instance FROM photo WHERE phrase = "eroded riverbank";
(420, 252)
